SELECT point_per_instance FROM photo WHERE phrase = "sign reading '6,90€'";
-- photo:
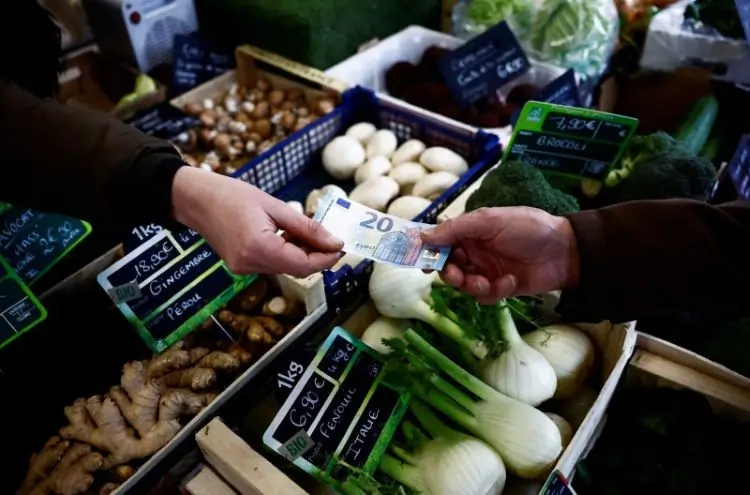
(169, 285)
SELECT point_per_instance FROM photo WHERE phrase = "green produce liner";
(319, 33)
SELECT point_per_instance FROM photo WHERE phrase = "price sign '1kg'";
(341, 415)
(169, 285)
(378, 236)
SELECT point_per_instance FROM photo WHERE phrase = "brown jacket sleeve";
(81, 163)
(645, 257)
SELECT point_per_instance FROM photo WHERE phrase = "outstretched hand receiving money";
(503, 252)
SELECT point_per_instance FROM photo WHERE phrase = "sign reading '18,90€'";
(170, 285)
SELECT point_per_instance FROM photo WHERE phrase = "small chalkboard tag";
(743, 10)
(164, 121)
(561, 91)
(572, 142)
(196, 60)
(484, 64)
(124, 293)
(181, 284)
(32, 241)
(296, 446)
(20, 310)
(557, 485)
(739, 168)
(343, 407)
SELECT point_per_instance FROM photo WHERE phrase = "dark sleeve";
(644, 257)
(74, 161)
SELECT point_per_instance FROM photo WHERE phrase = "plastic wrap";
(574, 34)
(675, 40)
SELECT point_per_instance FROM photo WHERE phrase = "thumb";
(306, 230)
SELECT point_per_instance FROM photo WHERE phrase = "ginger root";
(280, 306)
(262, 330)
(249, 298)
(131, 422)
(70, 474)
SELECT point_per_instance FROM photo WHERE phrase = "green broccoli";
(519, 184)
(668, 176)
(643, 150)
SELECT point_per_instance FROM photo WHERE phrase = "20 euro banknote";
(379, 236)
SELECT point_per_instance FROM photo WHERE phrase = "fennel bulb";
(520, 371)
(527, 440)
(566, 431)
(382, 329)
(403, 293)
(570, 352)
(448, 463)
(575, 409)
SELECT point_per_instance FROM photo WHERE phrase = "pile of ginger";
(107, 435)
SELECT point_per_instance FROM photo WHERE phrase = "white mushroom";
(342, 156)
(382, 143)
(316, 196)
(362, 132)
(408, 152)
(377, 165)
(439, 159)
(407, 174)
(433, 185)
(408, 207)
(376, 192)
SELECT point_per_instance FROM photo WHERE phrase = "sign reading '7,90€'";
(169, 285)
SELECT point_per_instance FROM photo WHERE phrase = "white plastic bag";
(574, 34)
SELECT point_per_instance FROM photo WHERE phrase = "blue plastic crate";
(293, 168)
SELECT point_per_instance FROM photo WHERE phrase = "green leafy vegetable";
(519, 184)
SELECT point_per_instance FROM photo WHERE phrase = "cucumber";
(694, 131)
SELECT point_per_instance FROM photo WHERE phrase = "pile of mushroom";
(400, 180)
(245, 122)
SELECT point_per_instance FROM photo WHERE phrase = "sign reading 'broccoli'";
(569, 141)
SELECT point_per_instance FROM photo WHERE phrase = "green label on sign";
(20, 310)
(569, 141)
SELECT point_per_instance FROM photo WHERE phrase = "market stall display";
(406, 66)
(112, 438)
(573, 359)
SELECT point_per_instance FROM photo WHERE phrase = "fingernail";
(341, 254)
(335, 239)
(479, 288)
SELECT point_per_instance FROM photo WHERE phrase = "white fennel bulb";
(403, 293)
(574, 409)
(383, 328)
(526, 439)
(566, 430)
(444, 461)
(520, 371)
(570, 352)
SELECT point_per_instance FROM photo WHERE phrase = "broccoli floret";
(643, 150)
(668, 176)
(519, 184)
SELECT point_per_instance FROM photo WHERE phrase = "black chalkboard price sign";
(739, 168)
(195, 61)
(164, 121)
(573, 142)
(20, 310)
(169, 285)
(743, 10)
(484, 64)
(340, 413)
(561, 91)
(32, 241)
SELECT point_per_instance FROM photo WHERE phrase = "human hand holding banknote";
(378, 236)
